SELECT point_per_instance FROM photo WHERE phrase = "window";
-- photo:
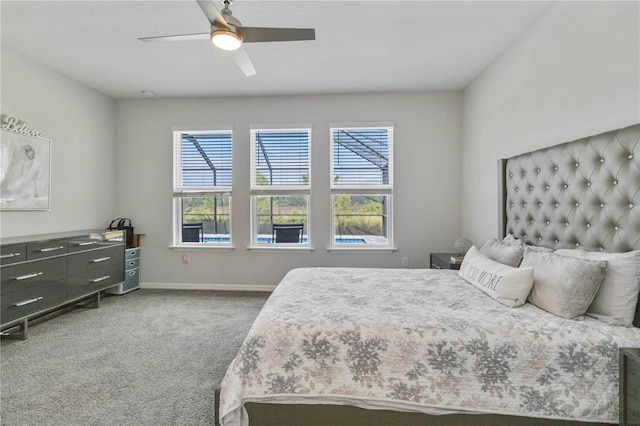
(202, 181)
(280, 184)
(361, 186)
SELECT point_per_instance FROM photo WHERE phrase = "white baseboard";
(194, 286)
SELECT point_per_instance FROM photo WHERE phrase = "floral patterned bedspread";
(421, 340)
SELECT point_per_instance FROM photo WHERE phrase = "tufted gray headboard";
(580, 194)
(584, 193)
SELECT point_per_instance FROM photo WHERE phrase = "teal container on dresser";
(131, 272)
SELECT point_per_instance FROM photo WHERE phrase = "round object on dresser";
(462, 246)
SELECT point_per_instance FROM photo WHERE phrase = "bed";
(527, 332)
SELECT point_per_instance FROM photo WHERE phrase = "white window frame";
(357, 190)
(180, 191)
(278, 190)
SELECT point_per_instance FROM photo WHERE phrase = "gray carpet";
(150, 357)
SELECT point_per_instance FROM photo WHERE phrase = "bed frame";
(580, 194)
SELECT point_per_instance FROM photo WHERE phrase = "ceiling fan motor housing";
(232, 22)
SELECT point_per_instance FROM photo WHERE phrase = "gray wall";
(81, 125)
(575, 73)
(427, 140)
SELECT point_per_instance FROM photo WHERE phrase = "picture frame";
(25, 172)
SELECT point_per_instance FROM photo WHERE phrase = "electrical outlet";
(405, 261)
(185, 258)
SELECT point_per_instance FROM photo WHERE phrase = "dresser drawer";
(13, 253)
(29, 274)
(132, 278)
(82, 244)
(40, 249)
(88, 261)
(133, 253)
(132, 264)
(32, 299)
(91, 241)
(95, 280)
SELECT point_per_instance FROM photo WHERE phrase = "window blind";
(361, 157)
(281, 158)
(203, 161)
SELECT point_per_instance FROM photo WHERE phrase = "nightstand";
(629, 386)
(442, 261)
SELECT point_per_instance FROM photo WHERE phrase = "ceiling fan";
(227, 33)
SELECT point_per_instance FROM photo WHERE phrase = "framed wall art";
(25, 172)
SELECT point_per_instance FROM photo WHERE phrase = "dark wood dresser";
(42, 273)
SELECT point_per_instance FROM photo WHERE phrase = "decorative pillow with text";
(506, 284)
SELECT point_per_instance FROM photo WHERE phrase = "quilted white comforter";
(421, 340)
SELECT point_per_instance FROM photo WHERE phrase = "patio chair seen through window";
(287, 232)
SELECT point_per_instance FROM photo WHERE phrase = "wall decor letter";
(12, 124)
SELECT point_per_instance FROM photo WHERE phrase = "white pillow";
(508, 285)
(615, 301)
(508, 250)
(564, 286)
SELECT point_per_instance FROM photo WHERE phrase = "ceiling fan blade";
(180, 37)
(212, 13)
(242, 59)
(257, 34)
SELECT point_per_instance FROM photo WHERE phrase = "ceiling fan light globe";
(226, 40)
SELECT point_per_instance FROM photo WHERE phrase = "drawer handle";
(87, 243)
(8, 255)
(26, 277)
(97, 280)
(101, 259)
(45, 250)
(133, 262)
(27, 302)
(131, 273)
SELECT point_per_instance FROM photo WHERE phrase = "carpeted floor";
(150, 357)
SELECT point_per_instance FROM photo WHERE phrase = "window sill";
(201, 247)
(335, 249)
(281, 249)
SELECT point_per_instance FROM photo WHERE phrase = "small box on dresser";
(630, 386)
(131, 272)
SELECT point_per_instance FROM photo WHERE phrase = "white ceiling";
(360, 46)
